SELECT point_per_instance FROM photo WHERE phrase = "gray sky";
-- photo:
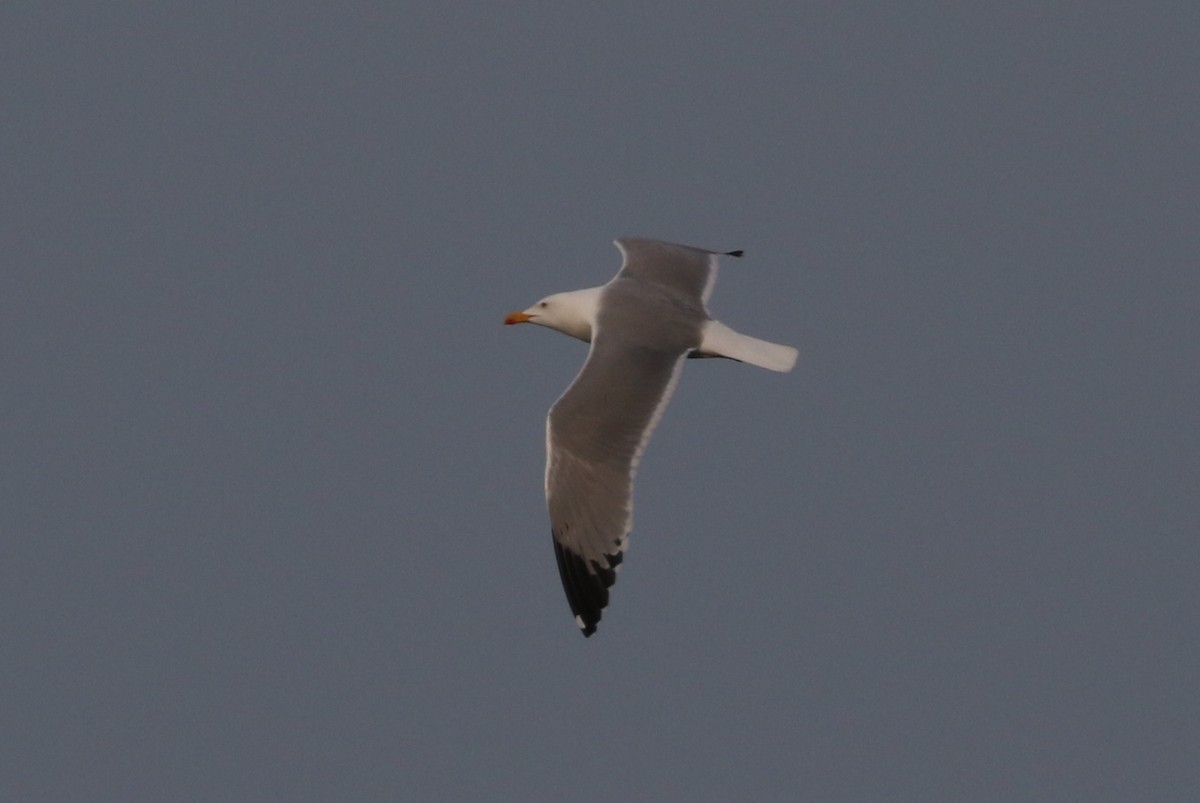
(272, 517)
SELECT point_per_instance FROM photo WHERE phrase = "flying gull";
(641, 326)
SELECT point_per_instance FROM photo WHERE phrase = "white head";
(572, 313)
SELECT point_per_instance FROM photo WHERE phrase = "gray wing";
(688, 273)
(595, 435)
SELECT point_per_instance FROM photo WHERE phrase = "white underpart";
(718, 340)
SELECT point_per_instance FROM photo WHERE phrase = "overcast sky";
(272, 524)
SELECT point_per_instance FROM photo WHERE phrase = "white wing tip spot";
(579, 623)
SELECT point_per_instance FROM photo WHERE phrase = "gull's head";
(571, 313)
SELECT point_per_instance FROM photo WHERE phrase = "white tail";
(718, 340)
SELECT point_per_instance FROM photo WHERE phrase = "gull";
(641, 326)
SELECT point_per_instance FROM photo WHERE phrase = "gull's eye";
(542, 304)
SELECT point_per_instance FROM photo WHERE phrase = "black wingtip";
(586, 589)
(736, 253)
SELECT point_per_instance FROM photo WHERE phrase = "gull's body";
(641, 326)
